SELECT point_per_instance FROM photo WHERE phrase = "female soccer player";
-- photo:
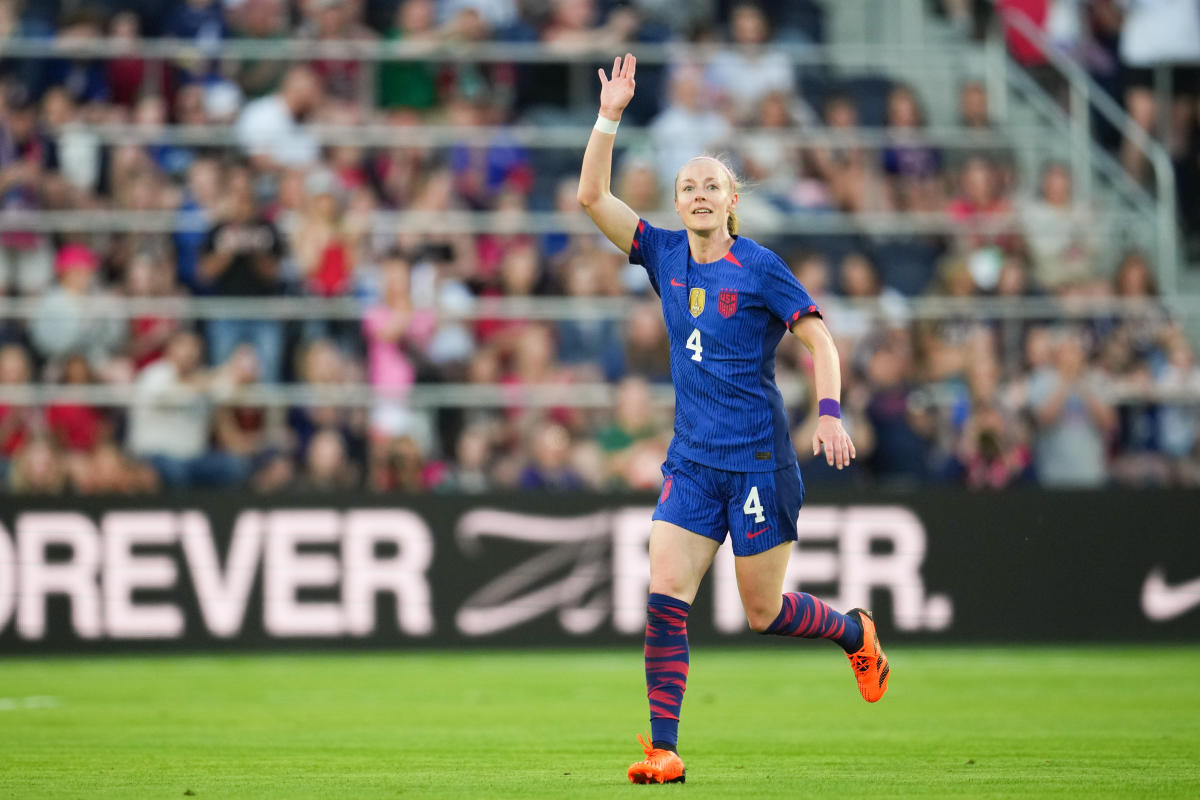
(731, 466)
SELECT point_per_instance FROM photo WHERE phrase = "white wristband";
(606, 125)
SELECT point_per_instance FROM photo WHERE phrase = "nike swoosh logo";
(677, 283)
(757, 532)
(1162, 602)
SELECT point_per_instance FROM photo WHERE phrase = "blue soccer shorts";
(757, 509)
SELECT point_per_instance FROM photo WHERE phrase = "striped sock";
(666, 666)
(804, 615)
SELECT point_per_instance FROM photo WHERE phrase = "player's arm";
(827, 374)
(612, 216)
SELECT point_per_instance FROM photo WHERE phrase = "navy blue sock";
(666, 666)
(804, 615)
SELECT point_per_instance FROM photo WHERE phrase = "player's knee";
(760, 619)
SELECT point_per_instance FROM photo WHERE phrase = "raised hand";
(617, 91)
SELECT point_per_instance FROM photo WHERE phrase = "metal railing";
(1084, 97)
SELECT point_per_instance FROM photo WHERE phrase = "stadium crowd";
(982, 402)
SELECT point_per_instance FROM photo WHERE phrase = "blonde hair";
(735, 185)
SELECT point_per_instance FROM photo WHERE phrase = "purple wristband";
(828, 407)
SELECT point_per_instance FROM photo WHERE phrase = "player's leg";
(770, 610)
(678, 561)
(688, 528)
(762, 522)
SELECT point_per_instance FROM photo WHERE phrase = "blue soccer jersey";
(724, 322)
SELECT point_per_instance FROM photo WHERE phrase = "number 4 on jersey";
(693, 344)
(753, 505)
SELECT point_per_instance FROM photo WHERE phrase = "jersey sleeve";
(785, 296)
(647, 245)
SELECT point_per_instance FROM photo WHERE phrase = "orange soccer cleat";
(659, 766)
(870, 664)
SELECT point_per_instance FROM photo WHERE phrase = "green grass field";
(762, 722)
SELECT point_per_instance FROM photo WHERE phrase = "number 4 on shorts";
(753, 505)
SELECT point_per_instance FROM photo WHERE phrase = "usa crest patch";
(727, 302)
(696, 302)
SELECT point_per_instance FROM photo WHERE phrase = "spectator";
(1058, 232)
(634, 443)
(271, 129)
(241, 259)
(77, 428)
(149, 277)
(327, 468)
(70, 318)
(18, 423)
(549, 466)
(252, 433)
(321, 366)
(852, 172)
(170, 420)
(898, 414)
(337, 20)
(25, 157)
(686, 126)
(1179, 420)
(396, 333)
(259, 20)
(37, 469)
(912, 165)
(326, 241)
(745, 73)
(470, 473)
(982, 212)
(1074, 419)
(411, 84)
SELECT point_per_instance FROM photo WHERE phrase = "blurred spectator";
(469, 472)
(647, 352)
(241, 259)
(911, 163)
(37, 469)
(591, 347)
(898, 414)
(84, 78)
(126, 75)
(246, 431)
(327, 469)
(77, 427)
(71, 317)
(974, 114)
(325, 240)
(148, 277)
(395, 333)
(201, 204)
(271, 129)
(411, 84)
(17, 423)
(1058, 232)
(337, 20)
(321, 366)
(982, 211)
(170, 420)
(770, 165)
(634, 443)
(549, 466)
(198, 20)
(400, 465)
(746, 72)
(686, 127)
(1074, 419)
(25, 156)
(852, 172)
(259, 20)
(1179, 420)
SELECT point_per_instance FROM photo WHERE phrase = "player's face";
(704, 195)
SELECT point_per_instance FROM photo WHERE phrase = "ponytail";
(732, 223)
